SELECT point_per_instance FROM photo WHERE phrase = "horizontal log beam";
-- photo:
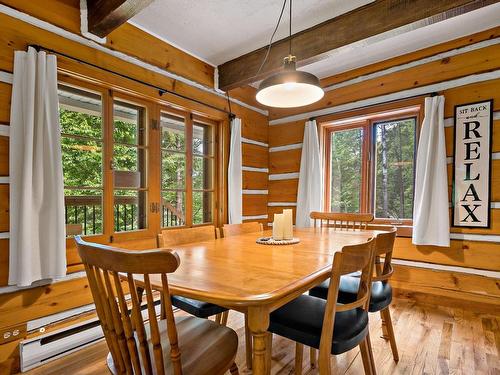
(106, 15)
(314, 44)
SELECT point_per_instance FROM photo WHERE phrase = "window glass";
(129, 167)
(345, 170)
(394, 168)
(80, 117)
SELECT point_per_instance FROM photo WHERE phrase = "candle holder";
(272, 241)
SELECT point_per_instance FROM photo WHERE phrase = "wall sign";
(472, 165)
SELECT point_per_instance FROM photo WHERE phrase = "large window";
(370, 164)
(187, 170)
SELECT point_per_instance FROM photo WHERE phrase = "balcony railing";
(84, 214)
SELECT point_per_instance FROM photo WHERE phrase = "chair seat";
(381, 294)
(206, 347)
(197, 308)
(301, 320)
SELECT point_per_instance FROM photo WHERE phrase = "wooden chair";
(340, 220)
(172, 237)
(183, 345)
(229, 230)
(381, 291)
(236, 229)
(326, 325)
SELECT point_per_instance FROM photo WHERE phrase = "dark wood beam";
(317, 42)
(106, 15)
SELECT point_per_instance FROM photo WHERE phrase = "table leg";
(258, 322)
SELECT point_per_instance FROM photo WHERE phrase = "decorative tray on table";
(271, 241)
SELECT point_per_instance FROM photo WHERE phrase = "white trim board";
(292, 146)
(4, 130)
(4, 235)
(255, 217)
(443, 267)
(254, 192)
(281, 204)
(284, 176)
(253, 142)
(412, 64)
(14, 288)
(4, 180)
(254, 169)
(6, 77)
(475, 237)
(450, 121)
(120, 55)
(474, 78)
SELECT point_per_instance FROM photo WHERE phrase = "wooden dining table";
(255, 279)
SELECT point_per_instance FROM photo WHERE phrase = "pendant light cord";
(290, 32)
(274, 33)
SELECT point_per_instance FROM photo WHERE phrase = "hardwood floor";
(431, 340)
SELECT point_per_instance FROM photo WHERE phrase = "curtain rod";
(161, 90)
(431, 94)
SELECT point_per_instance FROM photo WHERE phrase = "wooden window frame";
(153, 108)
(366, 119)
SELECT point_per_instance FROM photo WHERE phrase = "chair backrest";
(384, 246)
(235, 229)
(181, 236)
(121, 322)
(351, 259)
(342, 220)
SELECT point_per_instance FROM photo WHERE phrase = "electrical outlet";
(13, 333)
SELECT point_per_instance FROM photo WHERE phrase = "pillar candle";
(278, 227)
(287, 224)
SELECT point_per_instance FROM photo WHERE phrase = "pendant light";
(290, 87)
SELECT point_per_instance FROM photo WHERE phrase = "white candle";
(278, 227)
(287, 224)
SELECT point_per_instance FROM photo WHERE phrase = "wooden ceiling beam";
(106, 15)
(315, 43)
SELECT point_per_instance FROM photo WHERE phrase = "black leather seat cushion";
(197, 308)
(301, 320)
(381, 296)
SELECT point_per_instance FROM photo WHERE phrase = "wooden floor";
(431, 340)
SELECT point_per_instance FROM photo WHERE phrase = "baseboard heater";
(39, 350)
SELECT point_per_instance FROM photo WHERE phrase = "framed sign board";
(472, 165)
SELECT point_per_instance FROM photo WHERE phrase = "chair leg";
(269, 352)
(225, 315)
(365, 356)
(386, 313)
(163, 311)
(299, 355)
(370, 354)
(248, 344)
(313, 358)
(385, 335)
(218, 318)
(234, 369)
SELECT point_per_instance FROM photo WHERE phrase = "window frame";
(366, 119)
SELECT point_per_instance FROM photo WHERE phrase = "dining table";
(255, 279)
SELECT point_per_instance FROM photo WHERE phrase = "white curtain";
(37, 227)
(309, 196)
(431, 223)
(234, 178)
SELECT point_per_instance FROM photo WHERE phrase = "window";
(187, 170)
(370, 164)
(80, 115)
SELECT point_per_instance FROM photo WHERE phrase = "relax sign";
(471, 193)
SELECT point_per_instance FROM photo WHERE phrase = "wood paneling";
(481, 60)
(254, 126)
(254, 156)
(283, 190)
(4, 262)
(127, 39)
(254, 204)
(284, 161)
(457, 285)
(4, 156)
(473, 254)
(4, 208)
(278, 210)
(495, 142)
(286, 134)
(5, 96)
(472, 93)
(255, 180)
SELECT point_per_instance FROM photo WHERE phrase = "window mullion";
(108, 198)
(189, 171)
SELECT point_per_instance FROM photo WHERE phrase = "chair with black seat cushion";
(183, 345)
(381, 292)
(172, 237)
(325, 325)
